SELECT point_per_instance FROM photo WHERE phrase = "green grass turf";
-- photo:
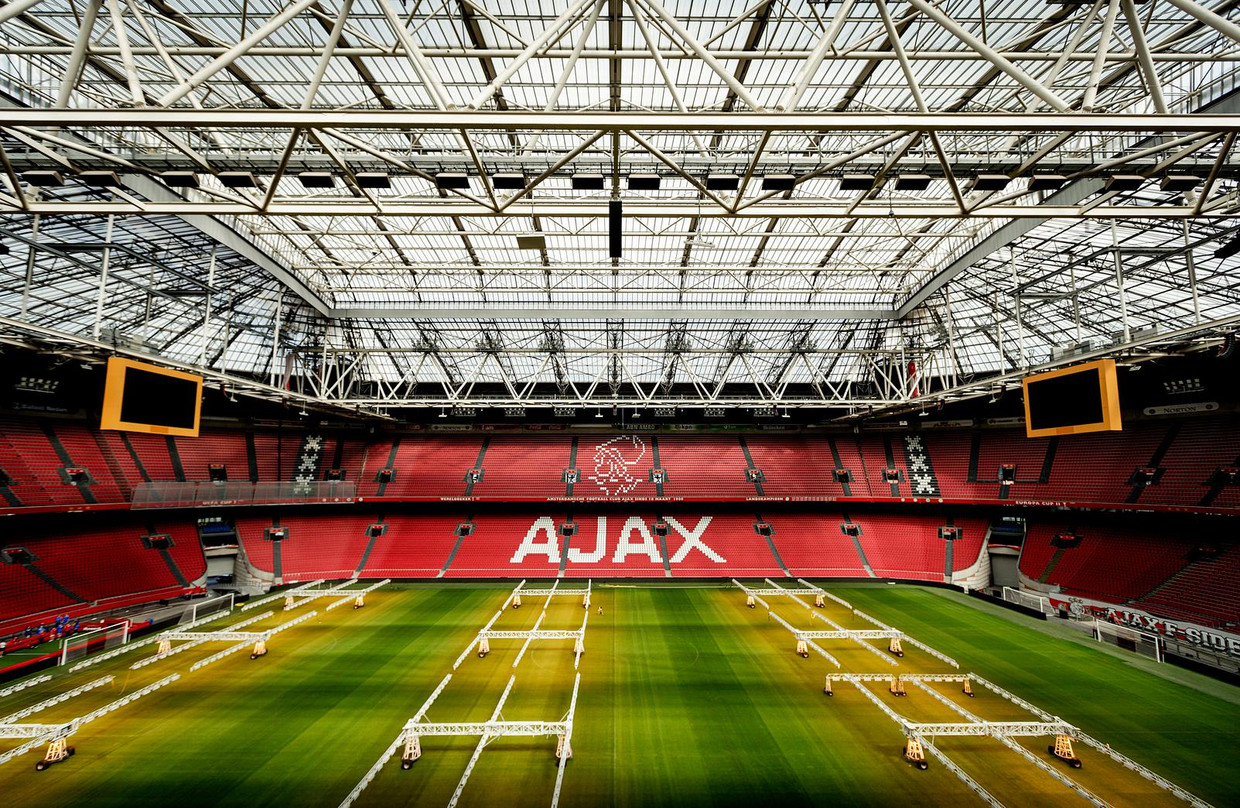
(687, 698)
(1177, 731)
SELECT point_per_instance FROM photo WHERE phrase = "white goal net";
(1027, 600)
(79, 646)
(201, 609)
(1130, 639)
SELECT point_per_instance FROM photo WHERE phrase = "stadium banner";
(1190, 633)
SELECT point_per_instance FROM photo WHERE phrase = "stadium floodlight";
(100, 179)
(1124, 182)
(1046, 182)
(990, 182)
(179, 179)
(454, 180)
(513, 181)
(587, 182)
(317, 179)
(857, 182)
(44, 179)
(237, 179)
(1229, 249)
(645, 182)
(374, 180)
(779, 182)
(912, 182)
(1180, 183)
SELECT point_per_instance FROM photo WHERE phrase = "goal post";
(1029, 601)
(82, 645)
(1130, 639)
(201, 609)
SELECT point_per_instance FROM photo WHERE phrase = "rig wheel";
(40, 766)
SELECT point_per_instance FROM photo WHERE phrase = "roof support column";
(77, 59)
(1192, 274)
(1119, 282)
(103, 278)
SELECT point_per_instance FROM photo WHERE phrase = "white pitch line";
(568, 738)
(482, 744)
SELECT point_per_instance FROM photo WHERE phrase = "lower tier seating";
(83, 571)
(1193, 574)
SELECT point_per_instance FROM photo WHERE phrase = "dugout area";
(686, 697)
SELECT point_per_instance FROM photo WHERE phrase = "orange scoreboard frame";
(1107, 387)
(114, 398)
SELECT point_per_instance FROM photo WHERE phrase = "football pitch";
(686, 697)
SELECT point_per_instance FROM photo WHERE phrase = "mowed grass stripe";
(1181, 733)
(298, 726)
(713, 714)
(687, 698)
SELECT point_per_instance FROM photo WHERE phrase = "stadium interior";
(924, 312)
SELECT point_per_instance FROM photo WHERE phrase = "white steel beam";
(707, 122)
(996, 729)
(224, 61)
(494, 728)
(1208, 17)
(591, 209)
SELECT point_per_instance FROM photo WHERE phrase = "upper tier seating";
(421, 467)
(1181, 458)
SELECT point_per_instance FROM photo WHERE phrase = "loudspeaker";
(615, 209)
